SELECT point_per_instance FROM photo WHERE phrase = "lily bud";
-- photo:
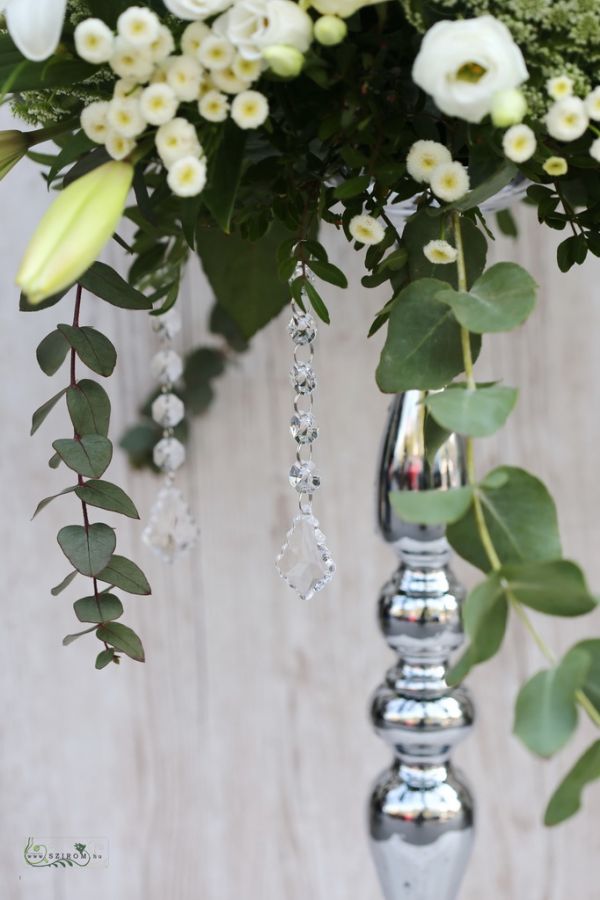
(330, 30)
(13, 147)
(74, 230)
(284, 60)
(508, 107)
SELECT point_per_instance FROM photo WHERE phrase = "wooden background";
(235, 764)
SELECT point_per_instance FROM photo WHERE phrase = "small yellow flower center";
(471, 72)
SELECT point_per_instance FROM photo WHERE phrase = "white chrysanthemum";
(118, 146)
(163, 45)
(450, 181)
(192, 38)
(216, 53)
(556, 166)
(595, 150)
(187, 176)
(131, 62)
(214, 106)
(158, 104)
(425, 156)
(366, 230)
(592, 104)
(125, 116)
(250, 109)
(126, 87)
(176, 140)
(248, 70)
(519, 143)
(94, 121)
(139, 26)
(567, 119)
(94, 41)
(226, 80)
(185, 75)
(559, 87)
(440, 252)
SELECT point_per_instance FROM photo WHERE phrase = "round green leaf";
(485, 615)
(555, 587)
(122, 638)
(500, 300)
(103, 608)
(566, 800)
(90, 456)
(89, 408)
(124, 574)
(433, 507)
(105, 495)
(477, 413)
(88, 550)
(93, 348)
(51, 352)
(104, 658)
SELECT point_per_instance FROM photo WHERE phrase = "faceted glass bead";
(168, 325)
(168, 410)
(171, 529)
(166, 366)
(169, 454)
(304, 428)
(304, 477)
(302, 328)
(304, 562)
(303, 378)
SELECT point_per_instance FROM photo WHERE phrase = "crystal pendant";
(171, 529)
(166, 366)
(168, 410)
(305, 478)
(168, 325)
(302, 328)
(304, 562)
(303, 378)
(169, 454)
(304, 428)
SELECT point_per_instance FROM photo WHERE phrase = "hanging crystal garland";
(304, 561)
(171, 529)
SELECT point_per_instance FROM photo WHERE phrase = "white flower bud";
(285, 61)
(330, 30)
(508, 107)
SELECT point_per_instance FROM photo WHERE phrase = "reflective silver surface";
(420, 812)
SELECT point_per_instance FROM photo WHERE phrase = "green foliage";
(89, 408)
(89, 455)
(40, 415)
(122, 638)
(429, 225)
(93, 348)
(502, 298)
(485, 615)
(122, 573)
(566, 800)
(52, 352)
(107, 284)
(105, 495)
(555, 587)
(90, 549)
(478, 412)
(103, 608)
(432, 507)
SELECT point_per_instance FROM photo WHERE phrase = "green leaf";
(104, 658)
(478, 413)
(485, 614)
(93, 348)
(52, 73)
(520, 515)
(124, 574)
(500, 300)
(41, 414)
(225, 172)
(107, 284)
(555, 587)
(105, 495)
(70, 638)
(122, 638)
(44, 503)
(104, 608)
(424, 227)
(506, 223)
(89, 456)
(89, 551)
(326, 271)
(566, 800)
(54, 461)
(423, 344)
(51, 352)
(26, 306)
(433, 507)
(592, 683)
(317, 302)
(488, 188)
(89, 408)
(352, 187)
(64, 583)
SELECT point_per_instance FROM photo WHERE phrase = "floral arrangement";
(238, 127)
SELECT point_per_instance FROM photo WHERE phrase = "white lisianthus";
(246, 69)
(226, 80)
(158, 104)
(187, 176)
(253, 25)
(214, 106)
(118, 146)
(366, 230)
(139, 26)
(567, 119)
(131, 62)
(184, 76)
(216, 53)
(94, 41)
(342, 8)
(425, 156)
(125, 116)
(192, 38)
(556, 166)
(196, 9)
(595, 150)
(559, 87)
(440, 252)
(250, 109)
(462, 64)
(592, 104)
(450, 181)
(163, 45)
(176, 140)
(94, 121)
(519, 143)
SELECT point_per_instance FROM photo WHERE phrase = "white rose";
(464, 63)
(342, 8)
(253, 25)
(196, 9)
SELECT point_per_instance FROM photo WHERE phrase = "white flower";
(556, 165)
(440, 252)
(246, 69)
(125, 116)
(283, 60)
(567, 119)
(366, 230)
(163, 45)
(94, 121)
(196, 9)
(214, 106)
(158, 104)
(187, 176)
(559, 87)
(450, 181)
(94, 41)
(192, 38)
(226, 80)
(249, 109)
(425, 156)
(592, 104)
(184, 76)
(139, 26)
(253, 25)
(118, 146)
(216, 53)
(126, 87)
(595, 150)
(463, 63)
(176, 140)
(35, 25)
(342, 8)
(330, 30)
(131, 62)
(508, 107)
(519, 143)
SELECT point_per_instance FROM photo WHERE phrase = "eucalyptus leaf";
(122, 573)
(41, 414)
(44, 503)
(591, 687)
(89, 408)
(90, 456)
(477, 413)
(90, 549)
(64, 583)
(555, 587)
(485, 615)
(434, 507)
(52, 352)
(70, 638)
(566, 800)
(92, 347)
(122, 638)
(105, 495)
(104, 608)
(104, 658)
(488, 188)
(107, 284)
(500, 300)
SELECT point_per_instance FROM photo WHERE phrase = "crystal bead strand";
(304, 562)
(171, 529)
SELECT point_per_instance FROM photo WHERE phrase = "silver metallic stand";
(421, 813)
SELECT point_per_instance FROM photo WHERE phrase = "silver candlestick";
(420, 813)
